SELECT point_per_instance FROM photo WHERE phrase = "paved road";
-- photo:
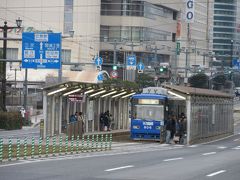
(137, 161)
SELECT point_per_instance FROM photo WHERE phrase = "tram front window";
(149, 112)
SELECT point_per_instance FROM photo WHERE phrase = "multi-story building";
(113, 29)
(226, 30)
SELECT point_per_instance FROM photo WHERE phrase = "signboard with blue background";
(131, 62)
(41, 50)
(236, 64)
(140, 66)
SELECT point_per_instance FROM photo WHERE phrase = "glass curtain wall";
(134, 8)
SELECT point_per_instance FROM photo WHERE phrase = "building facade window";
(68, 16)
(12, 53)
(129, 33)
(148, 58)
(66, 55)
(135, 8)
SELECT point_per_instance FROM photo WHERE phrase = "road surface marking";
(118, 168)
(210, 153)
(221, 147)
(193, 146)
(173, 159)
(237, 148)
(216, 173)
(73, 157)
(236, 140)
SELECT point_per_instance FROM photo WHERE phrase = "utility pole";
(5, 29)
(71, 33)
(115, 53)
(231, 55)
(25, 90)
(186, 68)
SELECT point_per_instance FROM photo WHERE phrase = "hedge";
(10, 120)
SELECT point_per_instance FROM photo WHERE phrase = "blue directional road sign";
(236, 64)
(100, 77)
(140, 66)
(41, 50)
(131, 62)
(98, 61)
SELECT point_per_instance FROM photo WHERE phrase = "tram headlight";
(157, 127)
(136, 127)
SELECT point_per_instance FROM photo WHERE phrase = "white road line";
(216, 173)
(210, 153)
(221, 147)
(193, 146)
(118, 168)
(173, 159)
(236, 148)
(236, 140)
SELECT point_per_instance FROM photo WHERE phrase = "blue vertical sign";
(140, 66)
(41, 50)
(131, 62)
(236, 64)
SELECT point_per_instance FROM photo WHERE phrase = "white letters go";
(189, 15)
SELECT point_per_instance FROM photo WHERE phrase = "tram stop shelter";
(62, 100)
(209, 113)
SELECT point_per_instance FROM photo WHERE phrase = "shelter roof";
(197, 91)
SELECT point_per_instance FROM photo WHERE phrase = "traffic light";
(114, 67)
(163, 69)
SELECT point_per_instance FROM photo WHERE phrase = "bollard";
(9, 149)
(25, 148)
(72, 144)
(77, 145)
(106, 141)
(66, 144)
(110, 142)
(87, 143)
(101, 142)
(82, 148)
(18, 148)
(40, 147)
(60, 146)
(47, 146)
(97, 142)
(33, 148)
(1, 149)
(92, 145)
(54, 145)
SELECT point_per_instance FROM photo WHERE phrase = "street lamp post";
(5, 29)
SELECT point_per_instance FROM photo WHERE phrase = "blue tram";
(148, 113)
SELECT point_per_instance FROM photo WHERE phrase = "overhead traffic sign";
(98, 61)
(131, 62)
(41, 50)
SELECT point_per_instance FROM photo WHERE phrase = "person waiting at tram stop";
(107, 121)
(170, 128)
(81, 120)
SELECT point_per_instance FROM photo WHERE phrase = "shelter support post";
(188, 111)
(53, 115)
(45, 114)
(60, 115)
